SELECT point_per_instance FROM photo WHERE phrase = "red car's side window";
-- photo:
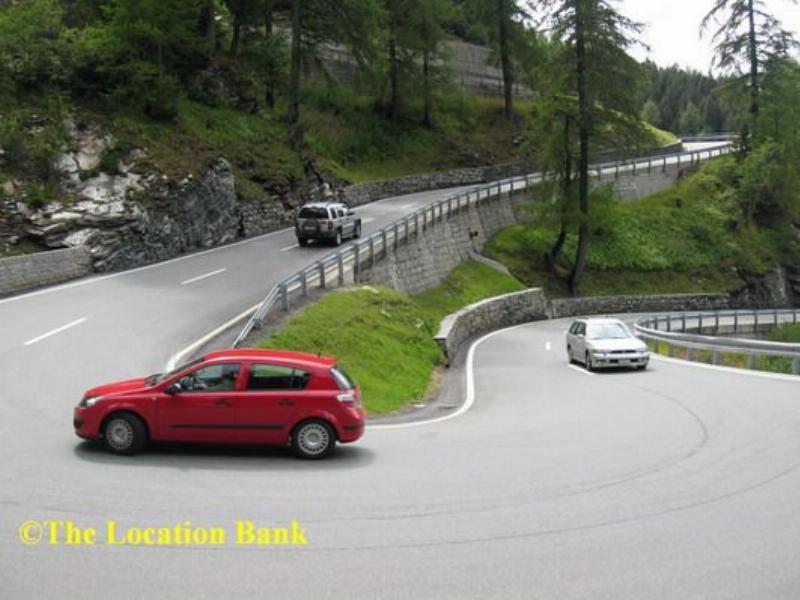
(213, 378)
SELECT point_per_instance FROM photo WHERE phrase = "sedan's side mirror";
(175, 388)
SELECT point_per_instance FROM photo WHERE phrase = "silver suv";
(330, 221)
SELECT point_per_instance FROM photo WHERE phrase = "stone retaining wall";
(426, 260)
(19, 273)
(609, 305)
(490, 315)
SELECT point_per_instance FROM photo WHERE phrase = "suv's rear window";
(342, 378)
(314, 212)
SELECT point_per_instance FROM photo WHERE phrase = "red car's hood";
(118, 387)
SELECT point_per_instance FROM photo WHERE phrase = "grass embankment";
(684, 239)
(789, 334)
(383, 338)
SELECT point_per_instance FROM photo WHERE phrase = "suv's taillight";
(330, 224)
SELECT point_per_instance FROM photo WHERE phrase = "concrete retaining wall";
(19, 273)
(609, 305)
(425, 261)
(490, 315)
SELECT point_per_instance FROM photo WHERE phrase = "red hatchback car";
(243, 396)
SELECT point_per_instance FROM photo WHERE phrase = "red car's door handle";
(222, 402)
(286, 403)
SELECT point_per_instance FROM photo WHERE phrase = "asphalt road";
(678, 482)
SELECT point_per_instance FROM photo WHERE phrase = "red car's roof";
(261, 353)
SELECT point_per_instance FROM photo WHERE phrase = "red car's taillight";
(351, 398)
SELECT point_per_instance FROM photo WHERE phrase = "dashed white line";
(405, 206)
(55, 331)
(367, 220)
(547, 346)
(292, 247)
(205, 276)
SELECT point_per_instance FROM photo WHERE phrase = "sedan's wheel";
(570, 358)
(588, 362)
(357, 231)
(313, 440)
(125, 434)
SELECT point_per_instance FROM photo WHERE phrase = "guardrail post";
(322, 283)
(449, 207)
(683, 322)
(304, 283)
(716, 323)
(649, 165)
(669, 322)
(284, 297)
(340, 267)
(396, 233)
(796, 365)
(384, 240)
(716, 357)
(751, 360)
(794, 315)
(679, 161)
(735, 321)
(690, 354)
(616, 171)
(670, 350)
(599, 173)
(634, 168)
(755, 321)
(371, 251)
(776, 317)
(664, 168)
(356, 262)
(416, 224)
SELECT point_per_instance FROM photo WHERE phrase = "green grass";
(684, 239)
(383, 338)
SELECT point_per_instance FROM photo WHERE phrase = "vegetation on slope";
(383, 338)
(688, 238)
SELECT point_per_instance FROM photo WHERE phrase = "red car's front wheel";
(125, 433)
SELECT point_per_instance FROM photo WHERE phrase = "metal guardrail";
(334, 267)
(685, 330)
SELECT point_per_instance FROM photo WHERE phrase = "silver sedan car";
(605, 343)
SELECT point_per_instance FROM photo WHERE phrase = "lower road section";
(676, 482)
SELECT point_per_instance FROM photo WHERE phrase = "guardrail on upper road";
(333, 269)
(677, 331)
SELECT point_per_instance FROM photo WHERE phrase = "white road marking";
(201, 277)
(733, 370)
(367, 220)
(580, 370)
(55, 331)
(405, 206)
(178, 358)
(547, 346)
(290, 247)
(470, 399)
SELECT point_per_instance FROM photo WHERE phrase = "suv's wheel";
(337, 241)
(125, 433)
(357, 230)
(313, 439)
(302, 241)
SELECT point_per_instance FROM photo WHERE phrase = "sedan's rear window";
(313, 212)
(342, 379)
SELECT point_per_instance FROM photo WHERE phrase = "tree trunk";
(294, 79)
(209, 25)
(426, 117)
(566, 192)
(236, 9)
(269, 21)
(505, 57)
(754, 85)
(584, 117)
(394, 77)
